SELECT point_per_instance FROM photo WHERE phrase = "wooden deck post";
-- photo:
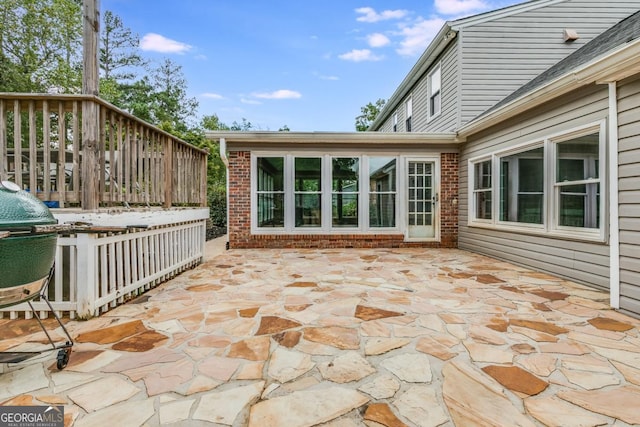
(90, 108)
(86, 275)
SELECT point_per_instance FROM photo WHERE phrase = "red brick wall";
(449, 200)
(239, 204)
(239, 226)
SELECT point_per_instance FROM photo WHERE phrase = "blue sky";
(308, 65)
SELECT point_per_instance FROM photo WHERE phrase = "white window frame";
(436, 188)
(395, 122)
(551, 202)
(326, 195)
(545, 172)
(255, 192)
(367, 193)
(321, 192)
(472, 190)
(358, 193)
(554, 188)
(431, 93)
(408, 122)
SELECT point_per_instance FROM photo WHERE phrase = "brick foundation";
(239, 226)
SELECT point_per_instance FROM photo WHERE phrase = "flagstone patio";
(342, 337)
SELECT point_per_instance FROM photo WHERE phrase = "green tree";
(245, 126)
(369, 114)
(171, 106)
(119, 58)
(119, 50)
(40, 45)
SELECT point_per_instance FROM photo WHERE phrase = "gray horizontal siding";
(447, 120)
(629, 193)
(581, 261)
(501, 55)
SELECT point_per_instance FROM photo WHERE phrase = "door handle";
(434, 199)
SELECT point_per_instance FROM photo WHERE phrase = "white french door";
(422, 178)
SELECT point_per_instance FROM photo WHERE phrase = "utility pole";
(90, 108)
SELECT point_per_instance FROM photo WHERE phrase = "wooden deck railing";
(135, 164)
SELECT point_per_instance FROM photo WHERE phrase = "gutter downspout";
(614, 218)
(223, 156)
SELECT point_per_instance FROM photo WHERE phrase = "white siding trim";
(614, 218)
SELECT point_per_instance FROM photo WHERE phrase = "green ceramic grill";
(26, 254)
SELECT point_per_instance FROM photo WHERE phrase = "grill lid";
(20, 209)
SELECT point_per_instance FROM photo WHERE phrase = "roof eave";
(447, 34)
(305, 138)
(435, 48)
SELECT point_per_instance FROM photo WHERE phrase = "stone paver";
(342, 338)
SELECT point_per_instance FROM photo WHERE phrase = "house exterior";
(514, 135)
(550, 176)
(321, 189)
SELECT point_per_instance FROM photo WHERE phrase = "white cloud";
(456, 7)
(250, 101)
(378, 40)
(325, 76)
(369, 14)
(360, 55)
(211, 95)
(417, 37)
(278, 94)
(157, 43)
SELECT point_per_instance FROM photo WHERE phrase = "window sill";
(577, 236)
(320, 231)
(435, 116)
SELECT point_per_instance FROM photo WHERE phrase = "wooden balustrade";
(137, 164)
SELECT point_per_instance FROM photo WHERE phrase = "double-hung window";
(577, 183)
(482, 190)
(308, 191)
(550, 186)
(434, 84)
(409, 111)
(522, 187)
(270, 191)
(345, 191)
(382, 192)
